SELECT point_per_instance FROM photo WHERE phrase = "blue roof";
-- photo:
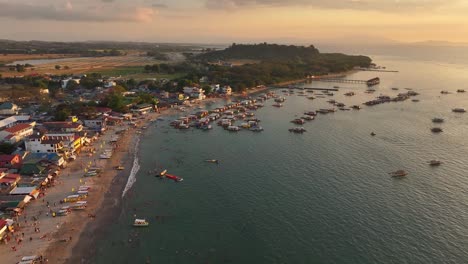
(6, 105)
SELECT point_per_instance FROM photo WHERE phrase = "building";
(195, 93)
(142, 109)
(16, 133)
(10, 161)
(42, 144)
(14, 120)
(71, 142)
(96, 124)
(9, 108)
(69, 127)
(65, 82)
(227, 90)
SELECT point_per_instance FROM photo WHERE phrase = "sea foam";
(135, 168)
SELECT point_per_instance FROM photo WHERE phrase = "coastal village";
(50, 170)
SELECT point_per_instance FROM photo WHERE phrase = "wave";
(135, 168)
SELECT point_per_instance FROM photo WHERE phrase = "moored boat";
(436, 129)
(437, 120)
(435, 162)
(398, 173)
(140, 223)
(459, 110)
(299, 130)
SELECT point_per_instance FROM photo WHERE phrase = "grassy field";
(130, 65)
(9, 58)
(84, 65)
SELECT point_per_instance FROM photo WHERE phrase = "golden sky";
(225, 21)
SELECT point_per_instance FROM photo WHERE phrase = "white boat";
(233, 128)
(140, 223)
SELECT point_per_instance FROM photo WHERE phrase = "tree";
(57, 67)
(208, 89)
(119, 89)
(63, 114)
(6, 148)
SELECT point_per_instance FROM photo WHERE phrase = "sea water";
(324, 196)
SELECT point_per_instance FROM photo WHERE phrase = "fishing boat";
(212, 161)
(298, 130)
(308, 117)
(256, 129)
(349, 94)
(435, 162)
(278, 105)
(233, 128)
(398, 173)
(460, 91)
(459, 110)
(436, 130)
(162, 173)
(437, 120)
(298, 121)
(120, 167)
(372, 134)
(173, 177)
(444, 92)
(140, 223)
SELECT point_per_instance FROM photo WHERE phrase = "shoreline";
(108, 205)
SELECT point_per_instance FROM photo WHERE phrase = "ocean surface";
(324, 196)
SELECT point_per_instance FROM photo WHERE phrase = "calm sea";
(321, 197)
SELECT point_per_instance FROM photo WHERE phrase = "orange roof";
(17, 128)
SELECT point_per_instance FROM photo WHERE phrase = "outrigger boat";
(140, 223)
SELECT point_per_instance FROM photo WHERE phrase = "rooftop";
(17, 128)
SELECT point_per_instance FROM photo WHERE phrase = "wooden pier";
(370, 82)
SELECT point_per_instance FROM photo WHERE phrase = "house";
(16, 133)
(42, 144)
(109, 84)
(96, 124)
(71, 142)
(195, 92)
(63, 126)
(9, 108)
(65, 82)
(227, 90)
(14, 120)
(45, 159)
(142, 108)
(10, 161)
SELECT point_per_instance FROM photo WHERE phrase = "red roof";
(17, 128)
(7, 157)
(2, 223)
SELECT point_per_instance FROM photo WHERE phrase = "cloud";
(79, 13)
(380, 5)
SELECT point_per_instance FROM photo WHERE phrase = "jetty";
(307, 88)
(370, 82)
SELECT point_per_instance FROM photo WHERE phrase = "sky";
(227, 21)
